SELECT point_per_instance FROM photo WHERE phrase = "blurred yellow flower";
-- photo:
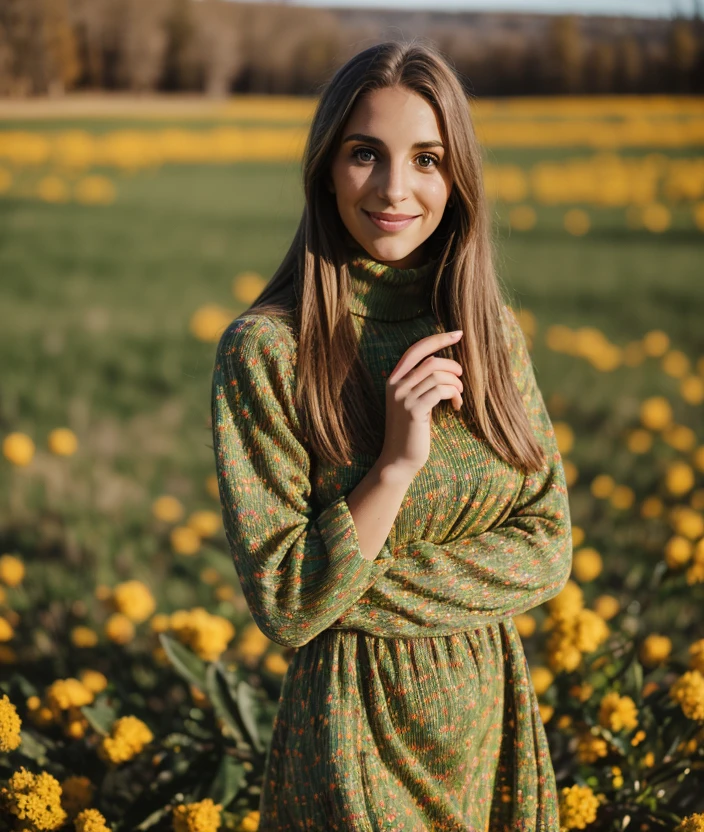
(564, 436)
(587, 564)
(606, 606)
(128, 736)
(656, 413)
(618, 712)
(212, 487)
(62, 441)
(95, 190)
(680, 437)
(94, 680)
(656, 343)
(35, 799)
(252, 643)
(207, 635)
(205, 523)
(655, 649)
(679, 478)
(639, 441)
(638, 737)
(525, 624)
(52, 189)
(225, 592)
(10, 724)
(651, 507)
(160, 623)
(63, 694)
(90, 820)
(250, 822)
(568, 601)
(578, 807)
(678, 551)
(688, 690)
(247, 286)
(546, 712)
(11, 570)
(591, 747)
(655, 217)
(76, 794)
(542, 678)
(275, 663)
(691, 823)
(5, 180)
(698, 458)
(83, 637)
(696, 655)
(209, 322)
(692, 389)
(576, 222)
(184, 541)
(18, 448)
(134, 599)
(210, 575)
(168, 509)
(103, 592)
(119, 629)
(571, 472)
(522, 217)
(203, 816)
(675, 363)
(6, 631)
(590, 630)
(577, 536)
(633, 354)
(602, 486)
(649, 759)
(622, 497)
(687, 522)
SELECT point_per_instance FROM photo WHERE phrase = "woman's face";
(391, 161)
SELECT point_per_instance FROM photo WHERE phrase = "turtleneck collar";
(387, 293)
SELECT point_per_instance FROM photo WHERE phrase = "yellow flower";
(212, 486)
(546, 712)
(160, 622)
(95, 190)
(602, 486)
(34, 798)
(207, 635)
(678, 551)
(651, 507)
(119, 628)
(10, 725)
(6, 631)
(66, 693)
(563, 653)
(617, 775)
(11, 570)
(582, 692)
(688, 690)
(542, 678)
(571, 472)
(577, 536)
(18, 448)
(564, 436)
(83, 637)
(226, 592)
(590, 631)
(649, 759)
(687, 522)
(568, 601)
(525, 624)
(252, 643)
(76, 794)
(639, 441)
(591, 747)
(692, 823)
(250, 822)
(698, 458)
(638, 737)
(184, 541)
(675, 363)
(618, 712)
(167, 509)
(127, 738)
(275, 663)
(587, 564)
(656, 413)
(606, 606)
(578, 807)
(135, 600)
(655, 649)
(656, 343)
(692, 389)
(90, 820)
(679, 478)
(62, 441)
(205, 523)
(94, 680)
(680, 437)
(209, 322)
(622, 497)
(203, 816)
(696, 655)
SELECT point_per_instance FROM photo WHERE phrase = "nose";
(392, 186)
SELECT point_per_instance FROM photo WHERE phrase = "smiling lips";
(390, 222)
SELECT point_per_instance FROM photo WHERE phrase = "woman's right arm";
(299, 572)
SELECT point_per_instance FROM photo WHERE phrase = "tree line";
(216, 48)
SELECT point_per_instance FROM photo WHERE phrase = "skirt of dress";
(438, 734)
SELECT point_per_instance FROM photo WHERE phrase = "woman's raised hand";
(416, 384)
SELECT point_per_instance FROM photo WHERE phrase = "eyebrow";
(362, 137)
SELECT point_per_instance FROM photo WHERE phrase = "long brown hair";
(334, 394)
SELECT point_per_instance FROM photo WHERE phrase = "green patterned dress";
(407, 705)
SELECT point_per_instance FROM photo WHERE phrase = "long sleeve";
(299, 572)
(432, 589)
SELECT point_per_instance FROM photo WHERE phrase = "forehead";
(394, 111)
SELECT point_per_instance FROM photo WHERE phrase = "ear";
(329, 185)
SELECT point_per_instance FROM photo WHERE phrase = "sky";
(631, 8)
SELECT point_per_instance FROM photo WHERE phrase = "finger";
(422, 349)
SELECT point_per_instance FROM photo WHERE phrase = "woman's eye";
(359, 150)
(434, 159)
(431, 156)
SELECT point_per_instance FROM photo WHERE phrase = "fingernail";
(456, 332)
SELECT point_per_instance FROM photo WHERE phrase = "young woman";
(386, 536)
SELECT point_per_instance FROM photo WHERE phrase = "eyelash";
(357, 150)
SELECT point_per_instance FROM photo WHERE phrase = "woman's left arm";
(510, 568)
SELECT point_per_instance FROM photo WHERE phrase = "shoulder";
(511, 327)
(253, 338)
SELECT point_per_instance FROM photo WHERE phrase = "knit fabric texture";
(407, 705)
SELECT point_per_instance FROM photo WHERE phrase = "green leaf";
(153, 819)
(227, 781)
(33, 748)
(247, 703)
(223, 703)
(100, 715)
(187, 664)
